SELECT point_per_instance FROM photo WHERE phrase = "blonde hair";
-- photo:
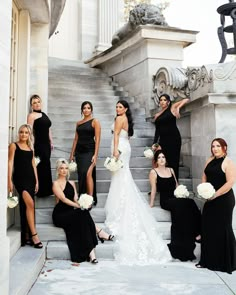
(30, 141)
(60, 162)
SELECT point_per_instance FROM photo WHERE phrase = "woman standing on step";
(185, 215)
(22, 172)
(85, 150)
(218, 246)
(128, 215)
(78, 225)
(42, 144)
(167, 134)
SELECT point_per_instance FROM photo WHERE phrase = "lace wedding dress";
(130, 219)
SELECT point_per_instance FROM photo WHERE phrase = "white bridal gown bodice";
(129, 217)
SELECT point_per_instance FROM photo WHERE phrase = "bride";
(128, 215)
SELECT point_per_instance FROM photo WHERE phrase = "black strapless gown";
(168, 136)
(78, 226)
(83, 154)
(42, 149)
(185, 219)
(24, 180)
(218, 247)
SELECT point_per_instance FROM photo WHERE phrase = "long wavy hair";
(59, 163)
(129, 116)
(30, 141)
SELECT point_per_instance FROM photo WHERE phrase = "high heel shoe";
(38, 245)
(110, 237)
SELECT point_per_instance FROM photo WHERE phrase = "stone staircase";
(71, 83)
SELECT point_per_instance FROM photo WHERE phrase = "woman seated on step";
(185, 215)
(78, 224)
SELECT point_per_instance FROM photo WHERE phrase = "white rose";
(37, 161)
(205, 190)
(113, 164)
(72, 166)
(181, 191)
(148, 153)
(12, 201)
(85, 201)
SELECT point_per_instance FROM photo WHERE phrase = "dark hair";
(129, 116)
(156, 155)
(167, 97)
(84, 103)
(222, 143)
(34, 96)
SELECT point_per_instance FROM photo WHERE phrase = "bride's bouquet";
(205, 190)
(12, 201)
(181, 191)
(85, 201)
(37, 161)
(72, 166)
(113, 164)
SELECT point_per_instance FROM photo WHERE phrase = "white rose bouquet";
(72, 166)
(148, 153)
(205, 190)
(85, 201)
(37, 161)
(12, 201)
(181, 191)
(113, 164)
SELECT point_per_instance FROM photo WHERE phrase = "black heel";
(111, 237)
(94, 261)
(38, 245)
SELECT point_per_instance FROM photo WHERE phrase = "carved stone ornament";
(179, 82)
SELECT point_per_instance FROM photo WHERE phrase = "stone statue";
(142, 14)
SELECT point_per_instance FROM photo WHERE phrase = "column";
(110, 18)
(5, 50)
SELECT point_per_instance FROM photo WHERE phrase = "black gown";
(42, 149)
(168, 136)
(84, 152)
(78, 226)
(185, 219)
(218, 247)
(24, 180)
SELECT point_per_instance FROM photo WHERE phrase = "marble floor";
(107, 277)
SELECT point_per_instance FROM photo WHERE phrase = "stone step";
(44, 215)
(81, 85)
(25, 267)
(48, 232)
(14, 236)
(57, 78)
(63, 90)
(78, 98)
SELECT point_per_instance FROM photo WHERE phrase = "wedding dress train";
(130, 219)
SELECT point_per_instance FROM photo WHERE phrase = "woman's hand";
(94, 160)
(155, 147)
(71, 158)
(116, 154)
(36, 187)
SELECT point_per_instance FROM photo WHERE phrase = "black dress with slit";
(218, 247)
(78, 226)
(84, 152)
(185, 219)
(42, 149)
(168, 136)
(24, 180)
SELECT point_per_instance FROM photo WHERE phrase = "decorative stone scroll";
(179, 82)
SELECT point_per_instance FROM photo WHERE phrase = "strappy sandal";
(110, 237)
(38, 245)
(94, 261)
(198, 265)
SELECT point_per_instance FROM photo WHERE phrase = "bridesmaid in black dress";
(218, 246)
(85, 149)
(42, 145)
(22, 170)
(78, 224)
(185, 215)
(166, 133)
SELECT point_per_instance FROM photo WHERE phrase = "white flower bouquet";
(12, 201)
(85, 201)
(205, 190)
(37, 161)
(148, 153)
(181, 191)
(113, 164)
(72, 166)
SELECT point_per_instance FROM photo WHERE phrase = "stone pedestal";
(134, 61)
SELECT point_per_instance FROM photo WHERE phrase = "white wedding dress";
(129, 217)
